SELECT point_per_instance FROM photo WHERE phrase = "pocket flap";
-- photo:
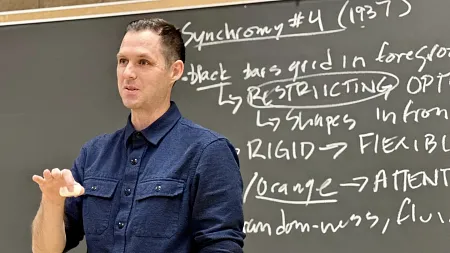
(100, 187)
(159, 188)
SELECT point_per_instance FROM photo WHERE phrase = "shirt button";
(127, 192)
(134, 161)
(158, 188)
(120, 225)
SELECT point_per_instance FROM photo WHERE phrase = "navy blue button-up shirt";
(172, 187)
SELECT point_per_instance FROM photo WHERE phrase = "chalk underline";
(300, 202)
(269, 37)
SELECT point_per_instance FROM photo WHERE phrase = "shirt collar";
(158, 129)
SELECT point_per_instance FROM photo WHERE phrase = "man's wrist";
(53, 203)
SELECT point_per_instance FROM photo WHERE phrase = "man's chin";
(130, 105)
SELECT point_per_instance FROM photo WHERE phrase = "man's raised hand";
(56, 185)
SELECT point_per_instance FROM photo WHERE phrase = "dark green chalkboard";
(339, 110)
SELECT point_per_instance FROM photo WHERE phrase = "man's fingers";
(68, 178)
(38, 179)
(47, 175)
(56, 173)
(77, 191)
(82, 191)
(68, 187)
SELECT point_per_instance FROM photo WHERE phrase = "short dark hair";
(171, 38)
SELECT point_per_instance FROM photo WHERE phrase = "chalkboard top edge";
(111, 9)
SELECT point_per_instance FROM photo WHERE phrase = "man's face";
(142, 75)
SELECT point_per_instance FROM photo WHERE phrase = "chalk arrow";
(360, 185)
(274, 122)
(341, 146)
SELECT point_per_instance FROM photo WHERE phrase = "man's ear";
(177, 70)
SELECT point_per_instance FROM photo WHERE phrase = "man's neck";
(141, 119)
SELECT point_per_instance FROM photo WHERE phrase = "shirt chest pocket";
(97, 204)
(157, 208)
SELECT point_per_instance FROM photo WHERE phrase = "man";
(160, 184)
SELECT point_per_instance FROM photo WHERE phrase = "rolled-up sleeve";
(73, 213)
(218, 217)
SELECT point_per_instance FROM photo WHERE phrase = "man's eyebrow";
(142, 55)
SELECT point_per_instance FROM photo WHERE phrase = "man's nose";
(129, 72)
